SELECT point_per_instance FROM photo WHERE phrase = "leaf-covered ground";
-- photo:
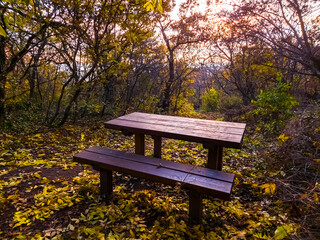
(45, 195)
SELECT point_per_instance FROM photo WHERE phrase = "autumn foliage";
(68, 66)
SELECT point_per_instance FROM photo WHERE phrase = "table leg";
(139, 143)
(195, 206)
(105, 182)
(215, 157)
(156, 146)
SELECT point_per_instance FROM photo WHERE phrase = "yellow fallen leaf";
(82, 137)
(317, 159)
(283, 231)
(268, 188)
(282, 138)
(304, 195)
(315, 197)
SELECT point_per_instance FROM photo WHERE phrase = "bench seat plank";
(201, 171)
(201, 180)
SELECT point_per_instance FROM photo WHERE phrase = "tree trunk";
(60, 100)
(68, 108)
(108, 95)
(34, 70)
(32, 83)
(167, 91)
(2, 98)
(3, 79)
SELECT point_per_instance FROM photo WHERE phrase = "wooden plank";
(223, 139)
(207, 126)
(147, 161)
(166, 118)
(180, 125)
(201, 184)
(209, 187)
(205, 172)
(187, 123)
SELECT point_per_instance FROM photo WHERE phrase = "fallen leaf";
(282, 231)
(268, 188)
(315, 197)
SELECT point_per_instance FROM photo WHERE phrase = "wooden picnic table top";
(224, 134)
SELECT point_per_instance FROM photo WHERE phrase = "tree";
(91, 49)
(245, 67)
(178, 34)
(72, 38)
(289, 27)
(18, 17)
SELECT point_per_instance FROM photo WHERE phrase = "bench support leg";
(139, 143)
(215, 157)
(106, 183)
(195, 206)
(157, 146)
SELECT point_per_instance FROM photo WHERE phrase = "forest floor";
(45, 195)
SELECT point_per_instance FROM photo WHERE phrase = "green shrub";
(184, 107)
(274, 106)
(229, 102)
(209, 101)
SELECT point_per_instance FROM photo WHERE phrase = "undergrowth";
(45, 195)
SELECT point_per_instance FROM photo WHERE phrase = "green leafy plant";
(229, 102)
(274, 106)
(209, 100)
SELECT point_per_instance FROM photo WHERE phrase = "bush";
(229, 102)
(184, 107)
(213, 100)
(209, 101)
(274, 106)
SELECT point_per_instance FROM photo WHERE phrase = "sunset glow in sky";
(201, 8)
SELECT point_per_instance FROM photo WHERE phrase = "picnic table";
(214, 135)
(198, 181)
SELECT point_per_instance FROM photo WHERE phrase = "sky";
(175, 13)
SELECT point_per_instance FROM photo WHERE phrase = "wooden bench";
(196, 180)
